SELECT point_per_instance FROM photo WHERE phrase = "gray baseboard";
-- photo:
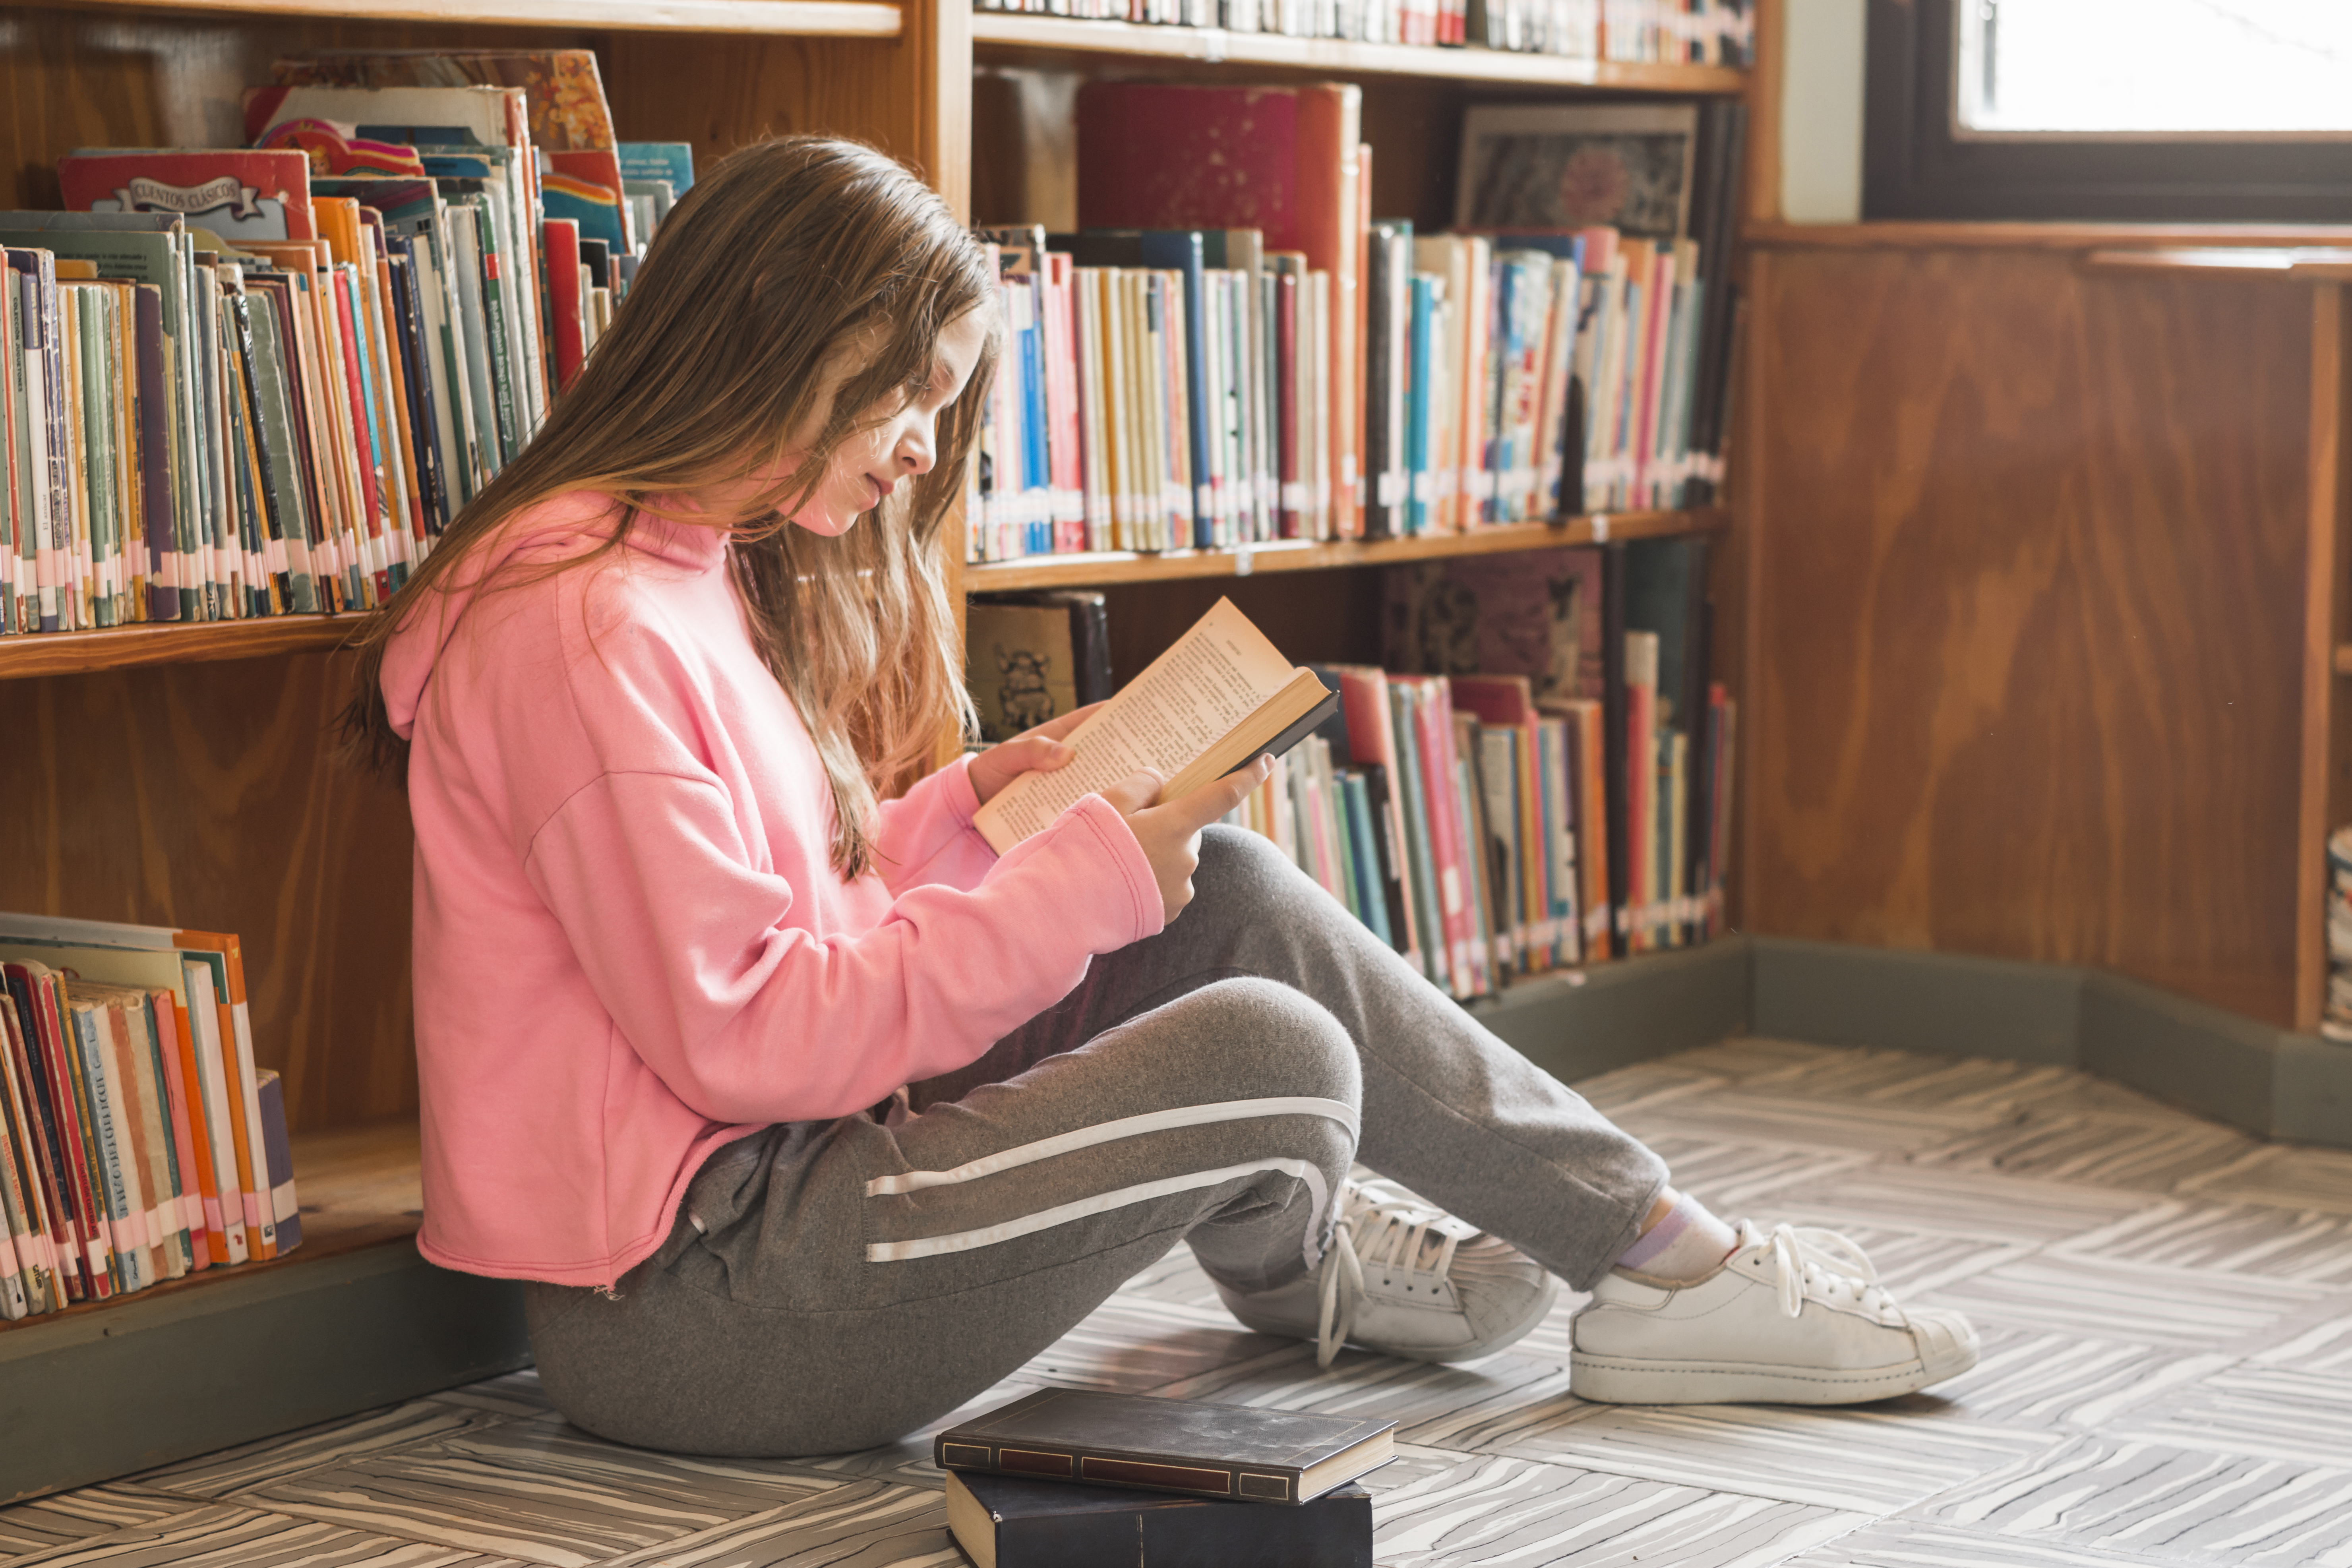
(2268, 1081)
(1585, 1022)
(95, 1396)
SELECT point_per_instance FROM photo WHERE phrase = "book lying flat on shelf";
(1234, 1451)
(1218, 697)
(1004, 1522)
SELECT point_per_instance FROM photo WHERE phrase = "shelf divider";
(805, 18)
(1112, 566)
(1012, 30)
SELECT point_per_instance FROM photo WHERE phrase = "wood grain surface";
(2025, 656)
(205, 796)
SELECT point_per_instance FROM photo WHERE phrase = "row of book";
(261, 380)
(1693, 32)
(1191, 386)
(1540, 777)
(138, 1140)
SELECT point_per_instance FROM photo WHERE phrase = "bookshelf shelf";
(1104, 567)
(124, 648)
(994, 31)
(803, 18)
(359, 1187)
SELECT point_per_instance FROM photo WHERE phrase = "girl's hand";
(1170, 831)
(1041, 749)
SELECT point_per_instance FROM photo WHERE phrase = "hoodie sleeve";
(925, 837)
(748, 1019)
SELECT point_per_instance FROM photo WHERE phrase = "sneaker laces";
(1812, 1262)
(1382, 1224)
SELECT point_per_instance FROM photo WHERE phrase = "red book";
(237, 193)
(1289, 490)
(560, 240)
(1434, 715)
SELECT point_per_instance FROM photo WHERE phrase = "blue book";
(671, 161)
(1425, 288)
(1370, 881)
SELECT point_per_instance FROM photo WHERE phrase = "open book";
(1210, 703)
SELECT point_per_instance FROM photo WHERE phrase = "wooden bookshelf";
(1118, 566)
(998, 33)
(358, 1187)
(128, 648)
(795, 18)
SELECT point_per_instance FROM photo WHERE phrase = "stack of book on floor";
(1251, 358)
(1692, 32)
(1070, 1479)
(138, 1141)
(260, 381)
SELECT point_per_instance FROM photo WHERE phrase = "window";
(2179, 110)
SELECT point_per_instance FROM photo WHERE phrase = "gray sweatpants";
(836, 1285)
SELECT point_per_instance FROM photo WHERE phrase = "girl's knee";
(1275, 1039)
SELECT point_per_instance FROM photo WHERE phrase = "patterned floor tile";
(1732, 1178)
(1746, 1115)
(2100, 1151)
(2027, 1378)
(1871, 1460)
(1899, 1077)
(1911, 1263)
(516, 1394)
(1135, 1342)
(540, 1491)
(2262, 1412)
(1433, 1405)
(274, 1458)
(907, 1461)
(1908, 1543)
(2172, 1504)
(2311, 1248)
(222, 1535)
(2115, 1299)
(1753, 1056)
(1951, 1201)
(1501, 1513)
(2324, 1349)
(2284, 1176)
(863, 1524)
(1644, 1083)
(69, 1516)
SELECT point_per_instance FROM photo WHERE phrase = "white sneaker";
(1405, 1278)
(1793, 1318)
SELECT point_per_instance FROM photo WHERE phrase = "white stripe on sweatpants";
(1142, 1192)
(1108, 1132)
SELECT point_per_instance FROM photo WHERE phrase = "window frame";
(1917, 165)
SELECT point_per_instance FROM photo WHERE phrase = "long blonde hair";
(786, 253)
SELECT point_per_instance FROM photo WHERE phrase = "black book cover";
(1389, 312)
(1003, 1521)
(1306, 724)
(1613, 733)
(153, 440)
(1242, 1452)
(1666, 593)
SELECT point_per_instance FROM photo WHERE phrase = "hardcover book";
(1003, 1521)
(1239, 1452)
(1218, 697)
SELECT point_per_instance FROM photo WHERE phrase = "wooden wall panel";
(2025, 654)
(205, 795)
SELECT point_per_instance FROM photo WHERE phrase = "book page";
(1191, 697)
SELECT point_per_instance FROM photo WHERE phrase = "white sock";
(1688, 1243)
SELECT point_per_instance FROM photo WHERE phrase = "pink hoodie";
(630, 947)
